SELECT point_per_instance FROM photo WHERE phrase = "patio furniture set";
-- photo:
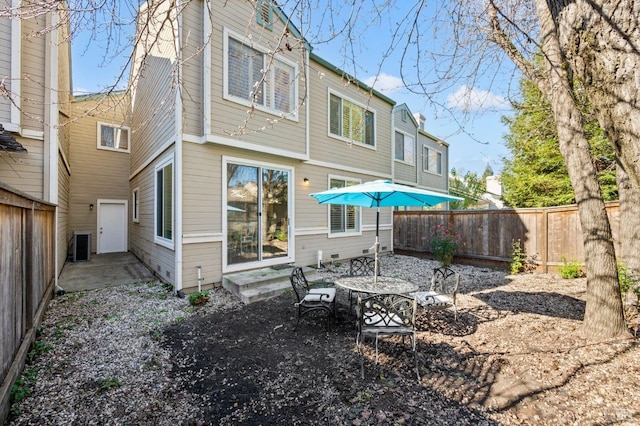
(384, 306)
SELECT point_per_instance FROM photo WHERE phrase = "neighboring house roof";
(9, 143)
(97, 96)
(405, 107)
(434, 138)
(350, 78)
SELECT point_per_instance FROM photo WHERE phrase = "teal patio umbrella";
(381, 193)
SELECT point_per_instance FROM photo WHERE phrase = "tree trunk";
(601, 41)
(604, 316)
(629, 223)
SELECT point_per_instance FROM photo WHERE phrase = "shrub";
(199, 298)
(518, 257)
(444, 242)
(520, 262)
(627, 282)
(570, 270)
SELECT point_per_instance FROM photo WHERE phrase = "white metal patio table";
(366, 284)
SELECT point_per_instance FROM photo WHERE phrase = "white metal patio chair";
(442, 292)
(312, 299)
(386, 315)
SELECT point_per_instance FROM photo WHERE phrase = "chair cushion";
(428, 298)
(331, 292)
(326, 296)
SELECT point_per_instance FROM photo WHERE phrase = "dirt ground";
(516, 356)
(137, 355)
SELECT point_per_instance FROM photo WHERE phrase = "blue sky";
(468, 118)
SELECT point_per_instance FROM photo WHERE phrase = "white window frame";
(405, 135)
(158, 239)
(426, 157)
(118, 133)
(343, 98)
(135, 205)
(269, 98)
(346, 233)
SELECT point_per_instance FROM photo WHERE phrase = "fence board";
(27, 272)
(547, 235)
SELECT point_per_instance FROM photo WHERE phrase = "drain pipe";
(200, 277)
(319, 259)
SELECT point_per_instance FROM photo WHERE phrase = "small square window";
(114, 138)
(432, 161)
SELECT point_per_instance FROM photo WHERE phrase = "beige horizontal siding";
(159, 259)
(64, 235)
(233, 120)
(96, 173)
(428, 179)
(209, 257)
(24, 171)
(5, 68)
(33, 73)
(153, 118)
(331, 150)
(192, 70)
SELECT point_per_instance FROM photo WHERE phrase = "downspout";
(178, 158)
(307, 113)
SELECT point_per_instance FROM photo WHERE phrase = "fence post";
(545, 241)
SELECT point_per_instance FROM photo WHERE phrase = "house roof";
(350, 78)
(9, 143)
(405, 107)
(292, 28)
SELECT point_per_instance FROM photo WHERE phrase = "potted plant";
(444, 242)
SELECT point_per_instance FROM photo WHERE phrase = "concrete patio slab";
(103, 270)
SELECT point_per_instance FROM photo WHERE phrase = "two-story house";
(228, 144)
(206, 169)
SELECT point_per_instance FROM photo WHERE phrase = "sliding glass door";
(257, 213)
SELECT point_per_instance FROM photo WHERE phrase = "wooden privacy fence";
(27, 279)
(547, 235)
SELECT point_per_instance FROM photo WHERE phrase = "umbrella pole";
(376, 248)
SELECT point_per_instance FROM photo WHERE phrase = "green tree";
(466, 185)
(488, 171)
(536, 174)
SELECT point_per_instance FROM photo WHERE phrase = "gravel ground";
(137, 355)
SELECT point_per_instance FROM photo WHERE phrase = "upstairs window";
(247, 82)
(350, 121)
(115, 138)
(405, 148)
(343, 219)
(432, 161)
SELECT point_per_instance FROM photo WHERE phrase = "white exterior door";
(112, 226)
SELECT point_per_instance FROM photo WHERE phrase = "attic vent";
(265, 13)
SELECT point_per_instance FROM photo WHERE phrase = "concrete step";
(262, 284)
